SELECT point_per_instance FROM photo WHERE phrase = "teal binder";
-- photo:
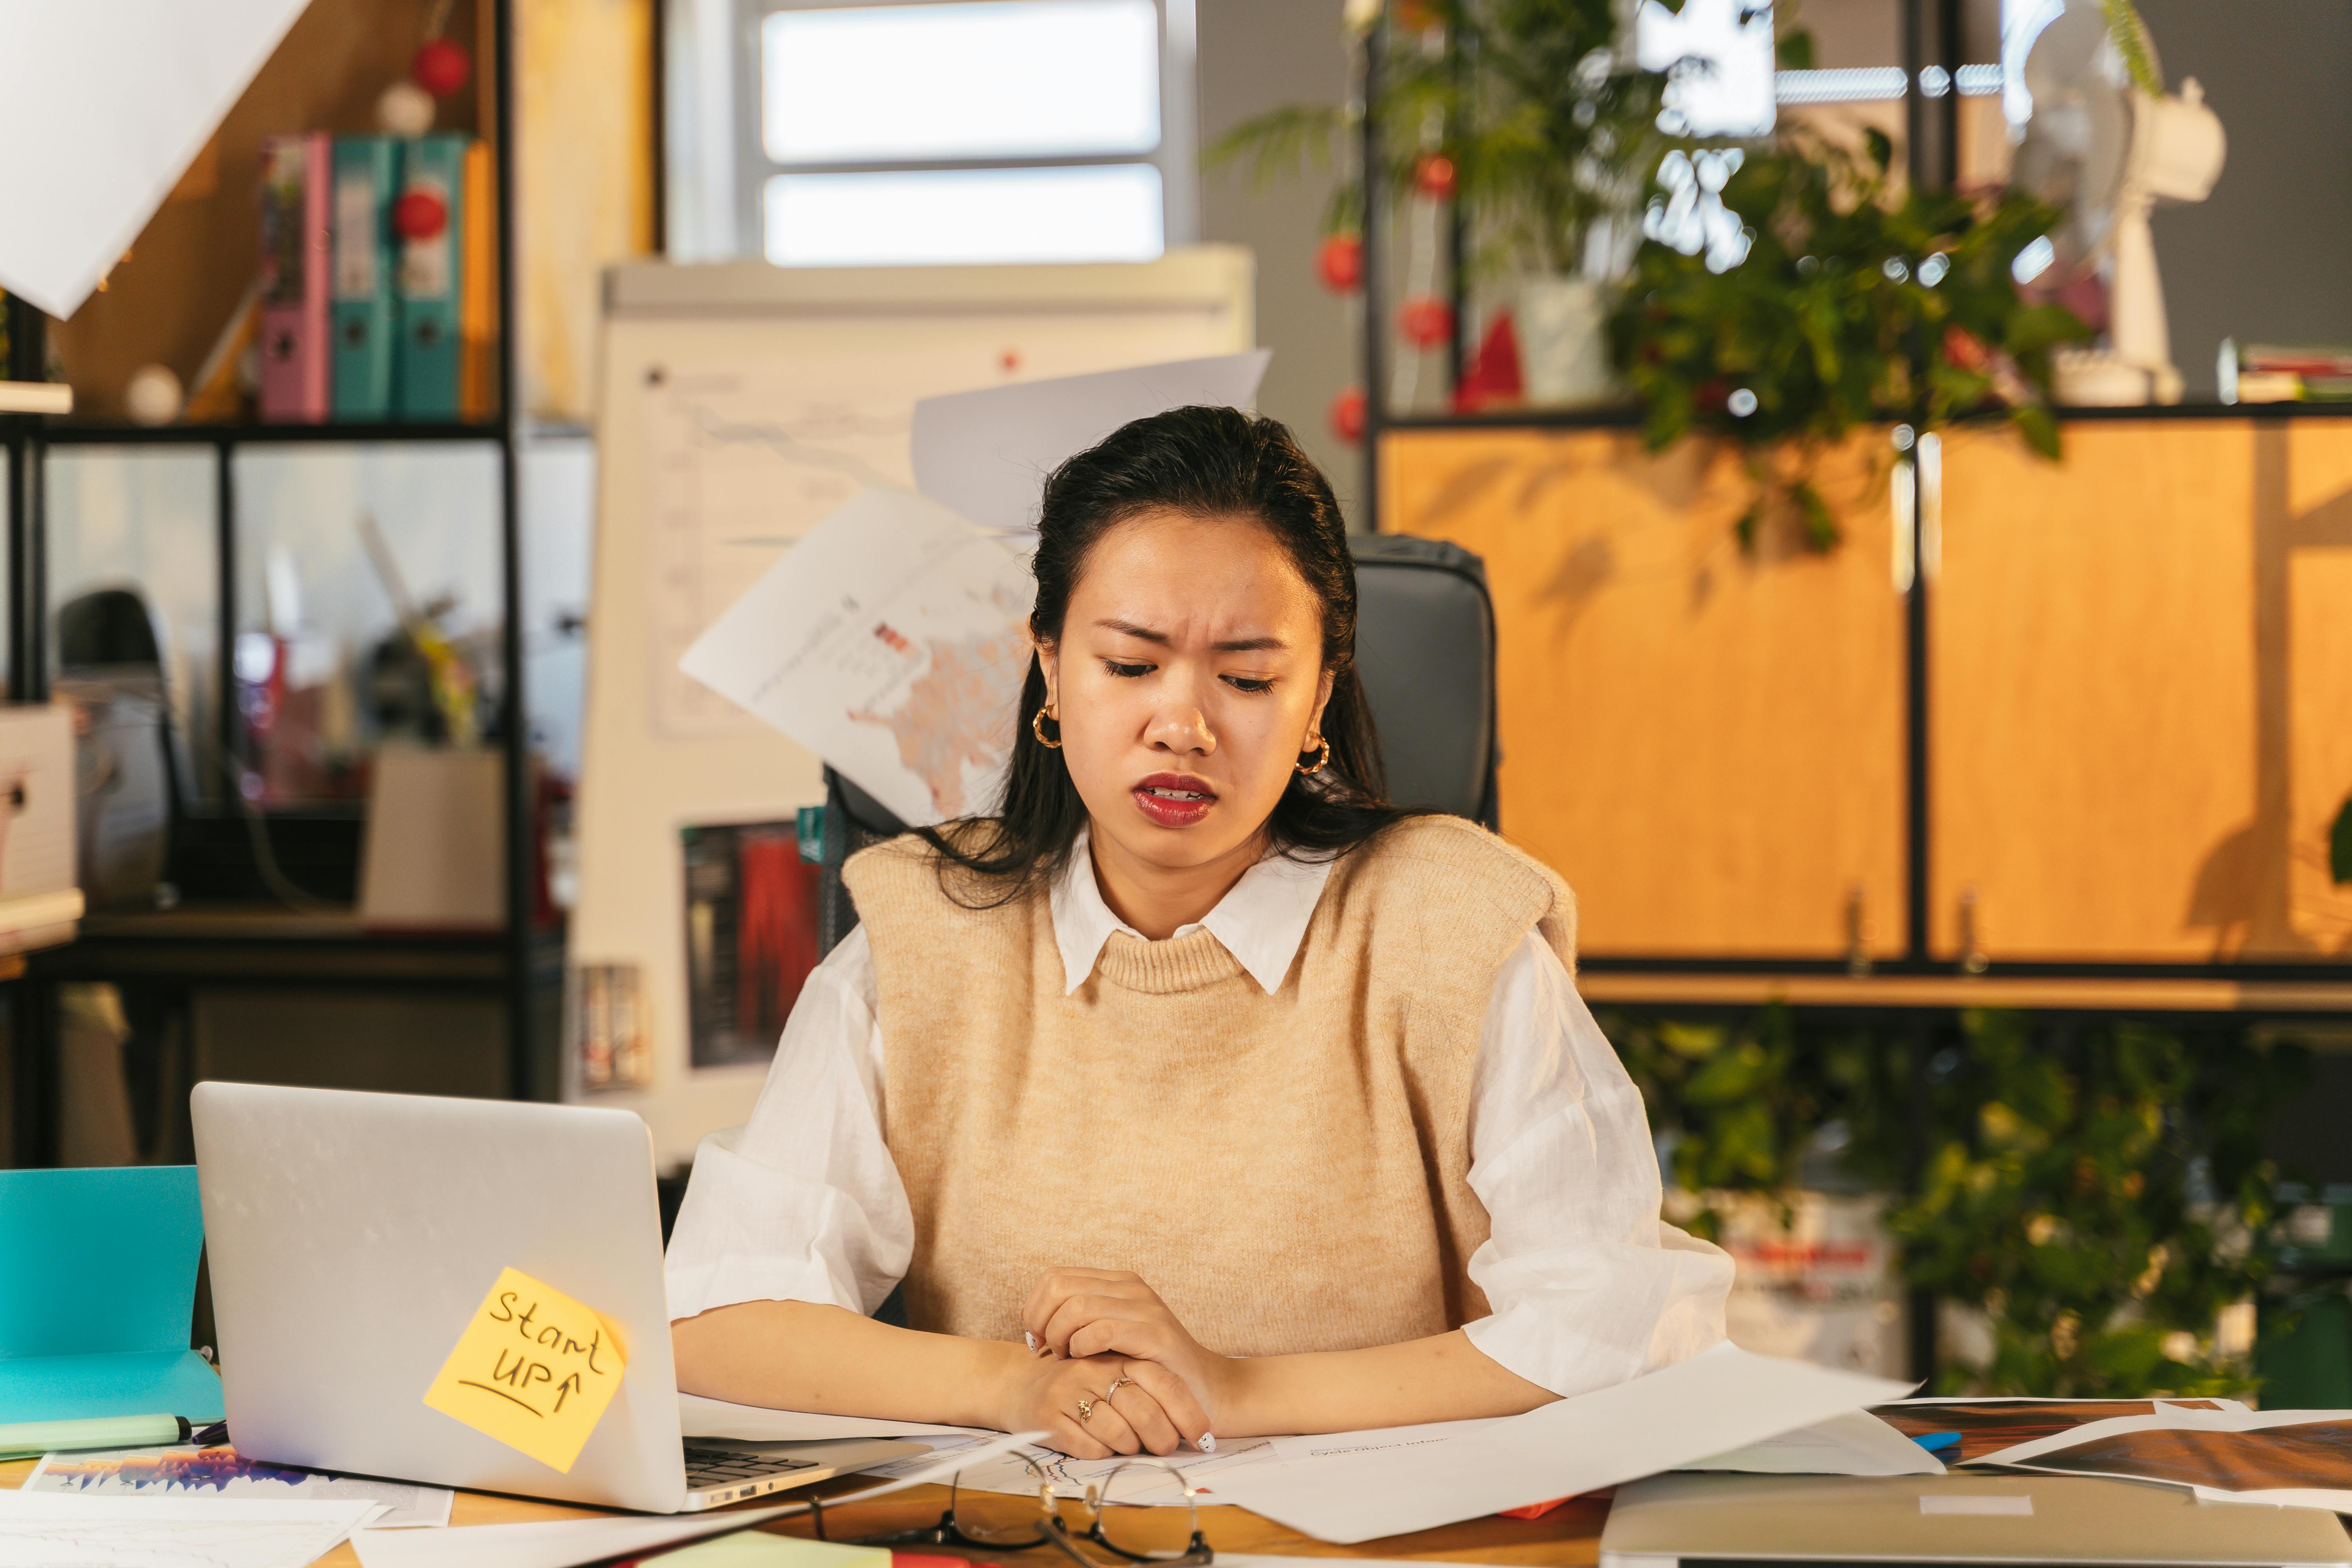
(97, 1281)
(361, 308)
(430, 282)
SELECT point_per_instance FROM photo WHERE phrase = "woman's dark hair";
(1204, 462)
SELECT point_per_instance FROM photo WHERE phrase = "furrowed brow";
(1128, 628)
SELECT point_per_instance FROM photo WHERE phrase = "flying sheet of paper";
(2295, 1458)
(94, 132)
(49, 1528)
(533, 1369)
(891, 641)
(700, 1418)
(1725, 1399)
(984, 455)
(220, 1472)
(567, 1543)
(1854, 1443)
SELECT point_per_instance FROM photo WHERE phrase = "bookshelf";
(261, 943)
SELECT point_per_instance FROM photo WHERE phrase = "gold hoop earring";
(1321, 757)
(1038, 727)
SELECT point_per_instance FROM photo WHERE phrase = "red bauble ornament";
(1434, 176)
(440, 67)
(1425, 321)
(1348, 411)
(420, 215)
(1340, 263)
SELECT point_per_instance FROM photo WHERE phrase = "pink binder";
(294, 177)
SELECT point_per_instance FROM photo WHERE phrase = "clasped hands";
(1112, 1371)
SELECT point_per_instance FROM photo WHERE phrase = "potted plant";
(1536, 119)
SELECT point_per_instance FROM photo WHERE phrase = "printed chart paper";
(891, 641)
(534, 1369)
(185, 1470)
(67, 1531)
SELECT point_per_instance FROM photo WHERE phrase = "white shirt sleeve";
(1588, 1285)
(803, 1202)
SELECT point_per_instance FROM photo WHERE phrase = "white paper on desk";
(1854, 1443)
(50, 1528)
(1724, 1399)
(2059, 1454)
(700, 1418)
(1324, 1445)
(984, 455)
(566, 1544)
(221, 1473)
(106, 105)
(891, 640)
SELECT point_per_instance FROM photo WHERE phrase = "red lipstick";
(1173, 800)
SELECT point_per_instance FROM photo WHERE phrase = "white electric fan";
(2107, 151)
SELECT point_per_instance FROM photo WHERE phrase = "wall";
(2263, 257)
(1256, 54)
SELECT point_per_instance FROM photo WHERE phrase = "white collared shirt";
(1587, 1285)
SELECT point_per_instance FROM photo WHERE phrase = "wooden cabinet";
(1708, 745)
(2138, 675)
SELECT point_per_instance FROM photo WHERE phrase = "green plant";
(1543, 123)
(2097, 1188)
(1852, 305)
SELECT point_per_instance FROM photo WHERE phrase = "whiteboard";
(738, 405)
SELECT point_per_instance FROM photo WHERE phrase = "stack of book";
(2282, 372)
(378, 278)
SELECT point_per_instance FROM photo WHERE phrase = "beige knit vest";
(1289, 1172)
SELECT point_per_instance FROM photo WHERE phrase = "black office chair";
(1425, 651)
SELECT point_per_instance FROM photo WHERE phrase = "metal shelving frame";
(27, 439)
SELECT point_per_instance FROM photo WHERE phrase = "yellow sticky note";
(534, 1369)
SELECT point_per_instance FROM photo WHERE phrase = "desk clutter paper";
(1726, 1399)
(220, 1471)
(534, 1369)
(2298, 1458)
(72, 1531)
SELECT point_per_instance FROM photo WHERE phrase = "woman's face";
(1187, 680)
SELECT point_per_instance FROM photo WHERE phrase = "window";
(965, 130)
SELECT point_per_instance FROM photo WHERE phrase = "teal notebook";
(361, 308)
(428, 282)
(97, 1280)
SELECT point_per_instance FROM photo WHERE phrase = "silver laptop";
(351, 1238)
(1964, 1517)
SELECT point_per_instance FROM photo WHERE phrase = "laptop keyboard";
(713, 1469)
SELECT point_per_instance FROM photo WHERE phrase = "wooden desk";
(1567, 1537)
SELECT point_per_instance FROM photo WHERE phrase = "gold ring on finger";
(1087, 1409)
(1117, 1383)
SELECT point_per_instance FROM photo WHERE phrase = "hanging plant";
(1786, 295)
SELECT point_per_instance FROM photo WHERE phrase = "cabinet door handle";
(1904, 498)
(1931, 506)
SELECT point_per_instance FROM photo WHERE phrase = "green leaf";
(1821, 528)
(2040, 430)
(1796, 50)
(1881, 149)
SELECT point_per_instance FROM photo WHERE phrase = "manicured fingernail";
(1208, 1442)
(1030, 1340)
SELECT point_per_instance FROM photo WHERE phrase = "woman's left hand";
(1082, 1313)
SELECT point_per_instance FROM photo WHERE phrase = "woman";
(1201, 1093)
